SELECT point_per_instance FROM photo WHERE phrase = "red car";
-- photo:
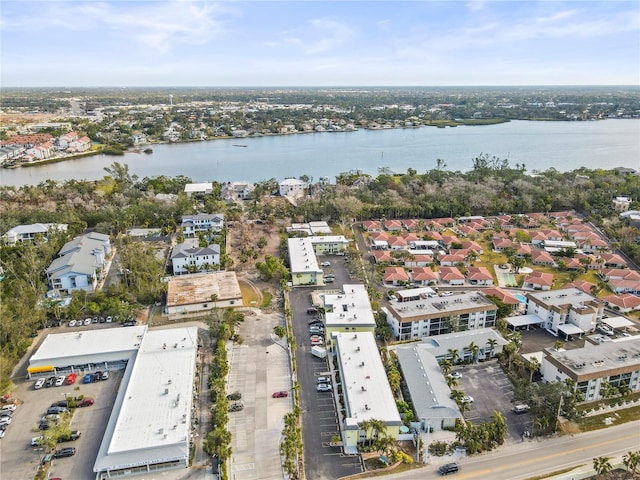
(85, 402)
(71, 378)
(281, 394)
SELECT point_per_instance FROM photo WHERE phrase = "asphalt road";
(537, 458)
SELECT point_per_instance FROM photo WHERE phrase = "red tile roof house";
(445, 222)
(613, 260)
(419, 260)
(540, 257)
(473, 246)
(395, 276)
(423, 276)
(410, 237)
(479, 276)
(553, 235)
(379, 236)
(467, 231)
(590, 263)
(622, 281)
(412, 224)
(448, 240)
(397, 243)
(432, 225)
(624, 303)
(503, 295)
(581, 285)
(451, 275)
(431, 235)
(372, 226)
(538, 238)
(571, 263)
(523, 249)
(393, 225)
(499, 244)
(382, 256)
(538, 281)
(451, 260)
(592, 244)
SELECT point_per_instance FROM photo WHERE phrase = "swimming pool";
(522, 298)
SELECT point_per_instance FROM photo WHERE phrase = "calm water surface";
(538, 145)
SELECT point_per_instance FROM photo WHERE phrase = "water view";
(538, 145)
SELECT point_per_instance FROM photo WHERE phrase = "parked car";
(325, 264)
(43, 426)
(11, 406)
(6, 413)
(51, 417)
(102, 320)
(64, 452)
(56, 410)
(39, 384)
(467, 398)
(87, 321)
(97, 376)
(105, 375)
(234, 396)
(95, 320)
(109, 319)
(49, 382)
(323, 380)
(86, 402)
(323, 387)
(60, 380)
(5, 420)
(71, 378)
(72, 323)
(2, 433)
(606, 329)
(312, 310)
(36, 441)
(236, 406)
(280, 394)
(316, 329)
(129, 323)
(329, 280)
(449, 468)
(455, 375)
(62, 403)
(69, 437)
(88, 378)
(523, 408)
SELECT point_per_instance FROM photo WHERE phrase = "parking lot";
(20, 460)
(492, 390)
(319, 415)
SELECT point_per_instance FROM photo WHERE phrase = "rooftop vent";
(166, 391)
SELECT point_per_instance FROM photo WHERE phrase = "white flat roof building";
(428, 388)
(204, 187)
(349, 310)
(87, 347)
(150, 424)
(366, 390)
(303, 262)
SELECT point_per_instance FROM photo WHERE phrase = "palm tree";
(558, 345)
(452, 382)
(445, 365)
(533, 365)
(631, 461)
(492, 342)
(474, 349)
(454, 354)
(602, 465)
(541, 423)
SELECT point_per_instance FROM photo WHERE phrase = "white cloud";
(334, 34)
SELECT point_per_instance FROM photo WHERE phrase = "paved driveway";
(491, 390)
(20, 460)
(319, 417)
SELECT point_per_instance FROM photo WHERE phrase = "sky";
(319, 43)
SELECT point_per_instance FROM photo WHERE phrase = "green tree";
(279, 331)
(631, 461)
(602, 465)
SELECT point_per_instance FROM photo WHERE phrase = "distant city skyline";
(313, 43)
